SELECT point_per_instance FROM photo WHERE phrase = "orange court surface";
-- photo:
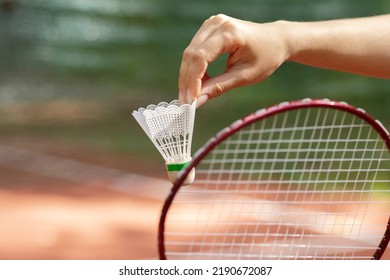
(59, 214)
(62, 203)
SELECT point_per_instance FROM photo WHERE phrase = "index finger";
(196, 58)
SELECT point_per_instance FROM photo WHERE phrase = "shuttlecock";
(170, 127)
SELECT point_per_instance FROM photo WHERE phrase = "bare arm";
(360, 46)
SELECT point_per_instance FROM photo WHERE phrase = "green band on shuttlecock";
(177, 166)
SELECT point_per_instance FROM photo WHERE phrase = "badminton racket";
(307, 179)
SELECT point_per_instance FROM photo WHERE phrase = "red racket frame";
(257, 116)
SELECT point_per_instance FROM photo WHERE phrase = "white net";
(305, 184)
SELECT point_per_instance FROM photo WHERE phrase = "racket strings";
(305, 184)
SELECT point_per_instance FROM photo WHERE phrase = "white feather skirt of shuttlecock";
(170, 127)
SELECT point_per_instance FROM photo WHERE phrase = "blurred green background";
(72, 71)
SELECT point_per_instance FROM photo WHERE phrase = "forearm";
(360, 46)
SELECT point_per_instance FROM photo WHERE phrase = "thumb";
(216, 86)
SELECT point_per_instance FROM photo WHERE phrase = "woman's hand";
(255, 52)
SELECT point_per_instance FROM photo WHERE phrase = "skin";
(256, 50)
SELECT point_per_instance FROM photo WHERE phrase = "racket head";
(240, 241)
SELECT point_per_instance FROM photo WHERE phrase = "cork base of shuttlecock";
(173, 171)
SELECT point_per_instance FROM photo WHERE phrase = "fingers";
(234, 77)
(214, 87)
(255, 52)
(204, 48)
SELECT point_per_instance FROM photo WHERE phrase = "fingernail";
(189, 96)
(181, 98)
(201, 100)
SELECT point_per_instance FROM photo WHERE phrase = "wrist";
(287, 31)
